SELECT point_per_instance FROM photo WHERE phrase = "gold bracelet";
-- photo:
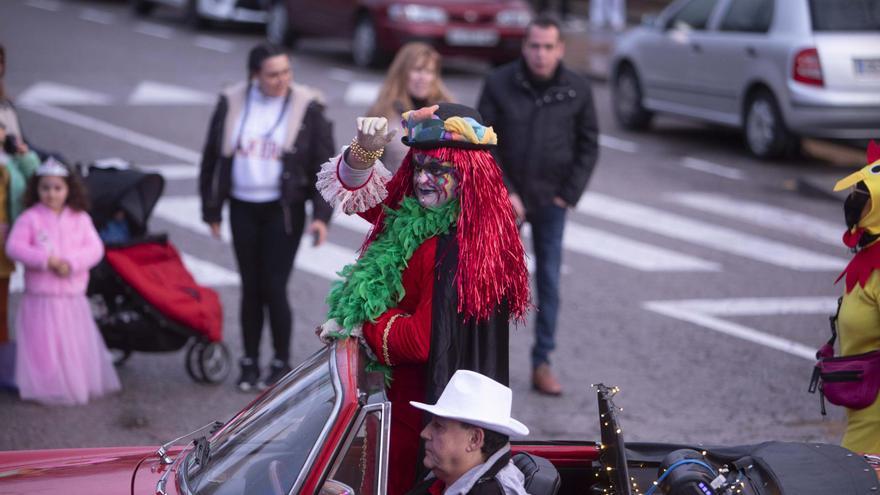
(385, 353)
(363, 154)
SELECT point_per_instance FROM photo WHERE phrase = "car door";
(666, 59)
(727, 55)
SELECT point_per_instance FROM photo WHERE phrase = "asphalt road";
(695, 278)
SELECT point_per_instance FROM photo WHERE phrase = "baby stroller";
(143, 297)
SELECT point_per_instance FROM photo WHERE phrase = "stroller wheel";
(119, 356)
(193, 355)
(215, 362)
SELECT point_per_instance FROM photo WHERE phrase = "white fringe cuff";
(352, 200)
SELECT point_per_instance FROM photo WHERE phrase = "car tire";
(192, 17)
(365, 50)
(766, 134)
(627, 97)
(142, 7)
(278, 29)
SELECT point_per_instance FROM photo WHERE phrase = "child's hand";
(59, 266)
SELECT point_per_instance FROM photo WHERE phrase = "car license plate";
(471, 37)
(867, 67)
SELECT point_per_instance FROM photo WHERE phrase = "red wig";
(491, 258)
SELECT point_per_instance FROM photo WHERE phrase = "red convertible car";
(324, 430)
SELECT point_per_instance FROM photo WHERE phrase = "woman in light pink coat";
(61, 357)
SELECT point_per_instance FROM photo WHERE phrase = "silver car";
(777, 69)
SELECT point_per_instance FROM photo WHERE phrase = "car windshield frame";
(257, 410)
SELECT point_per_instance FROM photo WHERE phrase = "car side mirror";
(333, 487)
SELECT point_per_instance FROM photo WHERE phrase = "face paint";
(435, 183)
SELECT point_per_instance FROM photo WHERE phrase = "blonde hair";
(393, 97)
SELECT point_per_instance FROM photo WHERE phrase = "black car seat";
(542, 478)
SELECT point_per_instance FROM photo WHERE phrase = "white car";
(198, 12)
(777, 69)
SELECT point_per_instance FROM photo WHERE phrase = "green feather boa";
(374, 283)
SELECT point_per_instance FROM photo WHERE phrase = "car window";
(693, 16)
(264, 448)
(751, 16)
(358, 467)
(845, 15)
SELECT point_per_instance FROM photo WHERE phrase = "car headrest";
(542, 478)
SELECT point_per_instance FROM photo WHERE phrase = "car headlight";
(417, 13)
(513, 18)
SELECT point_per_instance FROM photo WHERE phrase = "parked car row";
(487, 29)
(778, 70)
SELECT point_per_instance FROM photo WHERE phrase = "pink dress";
(61, 357)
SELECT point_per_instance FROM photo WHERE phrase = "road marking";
(172, 171)
(52, 93)
(97, 16)
(707, 312)
(629, 253)
(780, 219)
(115, 131)
(712, 168)
(361, 93)
(50, 5)
(216, 44)
(209, 274)
(156, 93)
(705, 234)
(618, 144)
(324, 261)
(154, 30)
(342, 75)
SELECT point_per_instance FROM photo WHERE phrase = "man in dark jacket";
(467, 441)
(547, 147)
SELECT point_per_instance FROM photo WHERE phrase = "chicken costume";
(435, 287)
(858, 323)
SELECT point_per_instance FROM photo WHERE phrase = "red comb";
(873, 151)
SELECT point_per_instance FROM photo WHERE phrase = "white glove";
(373, 133)
(326, 332)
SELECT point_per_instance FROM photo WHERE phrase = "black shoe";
(277, 370)
(250, 375)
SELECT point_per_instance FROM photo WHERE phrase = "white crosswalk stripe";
(780, 219)
(324, 261)
(705, 234)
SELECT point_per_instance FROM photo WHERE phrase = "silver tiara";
(52, 167)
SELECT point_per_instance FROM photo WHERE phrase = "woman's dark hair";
(77, 196)
(259, 54)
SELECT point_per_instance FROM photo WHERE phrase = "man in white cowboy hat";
(467, 441)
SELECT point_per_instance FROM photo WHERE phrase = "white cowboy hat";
(475, 399)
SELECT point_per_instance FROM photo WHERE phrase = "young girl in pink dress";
(61, 357)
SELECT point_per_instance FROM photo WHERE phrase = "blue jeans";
(547, 224)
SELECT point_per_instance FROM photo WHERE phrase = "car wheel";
(193, 354)
(278, 29)
(119, 356)
(215, 362)
(142, 7)
(765, 132)
(365, 51)
(627, 96)
(193, 17)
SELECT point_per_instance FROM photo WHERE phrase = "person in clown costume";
(442, 271)
(858, 323)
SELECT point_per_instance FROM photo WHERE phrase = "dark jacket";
(308, 144)
(548, 141)
(486, 485)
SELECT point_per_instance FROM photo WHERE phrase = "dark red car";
(488, 29)
(324, 430)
